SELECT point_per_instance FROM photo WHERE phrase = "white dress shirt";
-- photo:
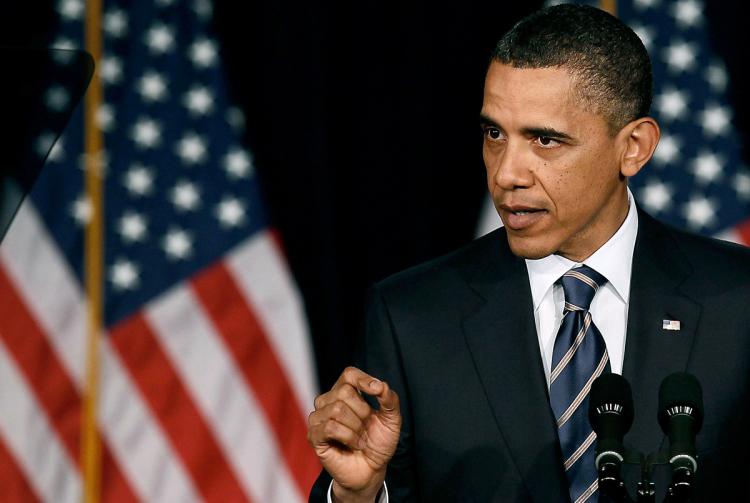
(609, 309)
(382, 499)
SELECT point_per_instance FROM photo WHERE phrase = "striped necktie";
(579, 357)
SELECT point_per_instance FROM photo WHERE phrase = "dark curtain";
(363, 121)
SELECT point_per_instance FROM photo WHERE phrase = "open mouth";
(521, 219)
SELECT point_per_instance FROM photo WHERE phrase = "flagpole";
(608, 6)
(94, 246)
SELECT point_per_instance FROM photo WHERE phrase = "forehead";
(535, 97)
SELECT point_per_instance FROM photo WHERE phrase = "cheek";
(488, 168)
(569, 188)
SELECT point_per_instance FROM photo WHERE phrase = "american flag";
(696, 179)
(206, 371)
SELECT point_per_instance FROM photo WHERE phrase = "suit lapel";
(652, 352)
(501, 336)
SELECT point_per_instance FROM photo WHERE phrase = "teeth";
(520, 212)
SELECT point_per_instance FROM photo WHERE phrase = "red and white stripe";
(203, 394)
(739, 234)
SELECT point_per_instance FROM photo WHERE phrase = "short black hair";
(607, 58)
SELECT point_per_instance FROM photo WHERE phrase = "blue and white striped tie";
(579, 357)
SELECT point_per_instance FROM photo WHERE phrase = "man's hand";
(353, 441)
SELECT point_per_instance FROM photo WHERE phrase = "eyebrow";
(484, 120)
(545, 132)
(548, 132)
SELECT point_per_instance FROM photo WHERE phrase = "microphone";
(681, 417)
(611, 416)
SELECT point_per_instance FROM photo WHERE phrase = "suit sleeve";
(379, 355)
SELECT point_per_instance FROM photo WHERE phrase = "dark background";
(362, 117)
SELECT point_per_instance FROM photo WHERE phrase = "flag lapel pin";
(670, 325)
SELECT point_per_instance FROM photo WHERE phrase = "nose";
(510, 168)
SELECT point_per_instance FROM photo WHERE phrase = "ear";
(639, 139)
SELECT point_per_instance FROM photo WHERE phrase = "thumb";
(388, 400)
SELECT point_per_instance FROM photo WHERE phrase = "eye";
(493, 133)
(547, 142)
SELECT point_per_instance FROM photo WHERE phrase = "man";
(480, 362)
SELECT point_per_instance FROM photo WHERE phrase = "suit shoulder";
(713, 256)
(438, 272)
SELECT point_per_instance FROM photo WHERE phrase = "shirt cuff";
(382, 495)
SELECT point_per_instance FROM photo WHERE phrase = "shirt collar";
(613, 260)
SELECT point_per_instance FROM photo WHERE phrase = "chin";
(528, 249)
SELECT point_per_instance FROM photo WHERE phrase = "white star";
(178, 244)
(146, 133)
(139, 180)
(203, 53)
(105, 117)
(646, 35)
(160, 39)
(668, 149)
(44, 142)
(742, 185)
(203, 9)
(700, 212)
(656, 196)
(680, 56)
(70, 10)
(185, 196)
(64, 44)
(110, 69)
(199, 100)
(64, 50)
(230, 212)
(672, 104)
(152, 86)
(116, 23)
(715, 120)
(81, 210)
(717, 77)
(238, 163)
(132, 227)
(57, 152)
(124, 275)
(687, 13)
(191, 148)
(235, 118)
(707, 167)
(47, 146)
(644, 4)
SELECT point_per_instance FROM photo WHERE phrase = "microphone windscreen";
(680, 390)
(611, 389)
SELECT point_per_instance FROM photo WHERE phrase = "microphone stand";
(646, 492)
(611, 484)
(681, 488)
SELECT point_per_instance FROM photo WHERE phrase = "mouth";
(518, 218)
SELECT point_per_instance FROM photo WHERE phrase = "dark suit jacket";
(457, 341)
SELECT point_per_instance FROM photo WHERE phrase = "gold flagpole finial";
(608, 6)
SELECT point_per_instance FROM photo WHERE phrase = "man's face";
(553, 168)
